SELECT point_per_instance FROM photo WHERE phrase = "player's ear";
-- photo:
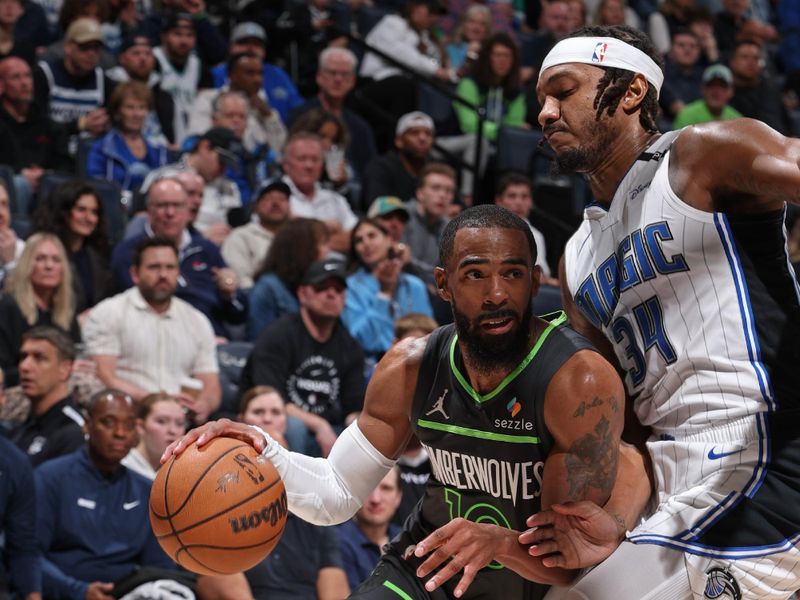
(441, 283)
(634, 95)
(536, 280)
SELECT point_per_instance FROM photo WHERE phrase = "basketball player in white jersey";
(680, 274)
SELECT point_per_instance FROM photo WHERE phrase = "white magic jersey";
(665, 284)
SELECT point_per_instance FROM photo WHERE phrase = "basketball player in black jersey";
(516, 412)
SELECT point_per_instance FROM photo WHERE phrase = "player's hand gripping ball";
(218, 509)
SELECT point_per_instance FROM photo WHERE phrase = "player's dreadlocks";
(615, 81)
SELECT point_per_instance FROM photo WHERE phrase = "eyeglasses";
(89, 46)
(176, 206)
(342, 74)
(335, 285)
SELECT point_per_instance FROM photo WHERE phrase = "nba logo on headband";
(604, 52)
(599, 53)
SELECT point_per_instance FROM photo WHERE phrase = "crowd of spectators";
(207, 211)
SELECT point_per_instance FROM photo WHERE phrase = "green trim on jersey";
(478, 433)
(396, 590)
(511, 376)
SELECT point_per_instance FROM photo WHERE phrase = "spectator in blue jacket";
(378, 291)
(19, 563)
(92, 525)
(250, 38)
(205, 280)
(297, 244)
(123, 154)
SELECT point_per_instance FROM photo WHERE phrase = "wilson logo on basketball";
(270, 514)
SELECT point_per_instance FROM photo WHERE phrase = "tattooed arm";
(595, 486)
(584, 412)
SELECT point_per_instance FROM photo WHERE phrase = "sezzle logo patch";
(514, 407)
(599, 54)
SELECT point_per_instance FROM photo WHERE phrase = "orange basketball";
(219, 509)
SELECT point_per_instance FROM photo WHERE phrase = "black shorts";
(394, 579)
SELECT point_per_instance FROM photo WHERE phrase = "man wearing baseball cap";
(396, 173)
(393, 214)
(181, 70)
(717, 91)
(75, 86)
(211, 45)
(215, 151)
(246, 246)
(281, 94)
(312, 360)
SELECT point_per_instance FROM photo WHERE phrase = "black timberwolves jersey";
(487, 451)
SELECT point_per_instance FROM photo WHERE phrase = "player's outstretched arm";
(329, 491)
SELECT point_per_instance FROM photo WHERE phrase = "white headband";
(604, 52)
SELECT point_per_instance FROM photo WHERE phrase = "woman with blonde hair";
(39, 292)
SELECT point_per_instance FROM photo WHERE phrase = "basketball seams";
(271, 540)
(210, 570)
(248, 547)
(185, 502)
(215, 515)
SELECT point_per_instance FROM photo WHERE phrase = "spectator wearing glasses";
(205, 281)
(210, 156)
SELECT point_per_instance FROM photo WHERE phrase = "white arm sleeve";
(326, 491)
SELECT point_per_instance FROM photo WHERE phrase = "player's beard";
(489, 353)
(587, 157)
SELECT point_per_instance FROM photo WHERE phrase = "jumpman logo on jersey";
(438, 406)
